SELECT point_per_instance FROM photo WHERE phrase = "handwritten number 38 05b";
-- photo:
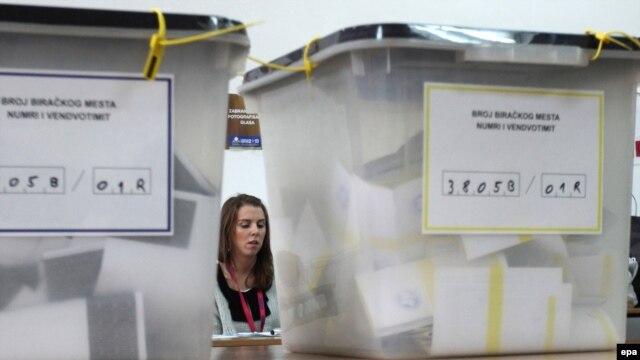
(482, 187)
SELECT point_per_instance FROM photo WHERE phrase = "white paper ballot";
(545, 327)
(540, 251)
(26, 250)
(591, 328)
(311, 243)
(396, 298)
(407, 199)
(448, 251)
(54, 331)
(343, 204)
(592, 276)
(394, 253)
(488, 305)
(27, 297)
(377, 211)
(476, 246)
(391, 212)
(188, 178)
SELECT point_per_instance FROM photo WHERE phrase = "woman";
(245, 294)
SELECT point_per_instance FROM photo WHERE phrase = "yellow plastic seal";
(307, 66)
(607, 37)
(159, 41)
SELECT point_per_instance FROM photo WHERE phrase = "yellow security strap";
(159, 41)
(551, 323)
(524, 238)
(607, 37)
(307, 66)
(427, 270)
(496, 299)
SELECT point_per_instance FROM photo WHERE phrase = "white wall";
(243, 172)
(289, 24)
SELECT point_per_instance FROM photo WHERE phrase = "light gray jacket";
(224, 324)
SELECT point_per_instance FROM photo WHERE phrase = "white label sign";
(512, 160)
(85, 154)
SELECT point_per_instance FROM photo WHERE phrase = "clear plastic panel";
(343, 155)
(131, 297)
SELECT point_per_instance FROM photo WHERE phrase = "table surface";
(278, 352)
(270, 348)
(246, 341)
(633, 312)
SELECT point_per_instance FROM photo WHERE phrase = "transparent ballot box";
(109, 182)
(444, 191)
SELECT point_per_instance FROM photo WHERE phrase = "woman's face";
(250, 231)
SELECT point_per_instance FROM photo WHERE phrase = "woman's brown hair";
(263, 269)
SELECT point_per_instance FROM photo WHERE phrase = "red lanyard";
(245, 307)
